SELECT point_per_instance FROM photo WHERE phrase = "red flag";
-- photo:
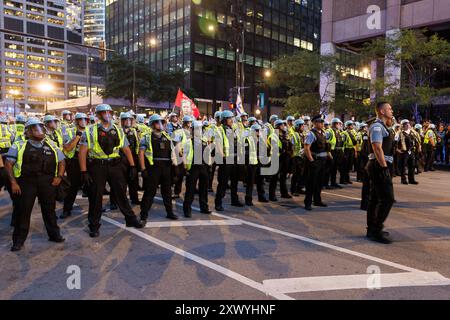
(186, 105)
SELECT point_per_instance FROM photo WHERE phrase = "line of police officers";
(92, 152)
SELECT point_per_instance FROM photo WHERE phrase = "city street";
(270, 251)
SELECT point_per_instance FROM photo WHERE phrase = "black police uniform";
(198, 173)
(111, 171)
(315, 169)
(253, 173)
(285, 156)
(158, 174)
(74, 175)
(406, 158)
(338, 158)
(38, 171)
(381, 192)
(133, 184)
(365, 151)
(227, 172)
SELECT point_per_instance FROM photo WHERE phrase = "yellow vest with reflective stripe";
(297, 144)
(21, 145)
(70, 154)
(252, 152)
(332, 138)
(269, 141)
(58, 137)
(226, 143)
(426, 139)
(5, 137)
(95, 150)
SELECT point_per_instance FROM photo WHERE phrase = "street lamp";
(14, 93)
(267, 73)
(46, 88)
(211, 28)
(152, 42)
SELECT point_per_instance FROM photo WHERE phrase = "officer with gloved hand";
(381, 194)
(35, 168)
(100, 162)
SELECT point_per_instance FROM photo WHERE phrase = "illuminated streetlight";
(211, 28)
(46, 88)
(258, 112)
(152, 42)
(365, 70)
(267, 73)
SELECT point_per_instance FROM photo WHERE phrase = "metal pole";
(134, 88)
(46, 106)
(14, 97)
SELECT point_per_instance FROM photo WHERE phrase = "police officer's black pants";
(74, 176)
(133, 185)
(406, 162)
(297, 174)
(254, 175)
(314, 178)
(178, 173)
(158, 174)
(113, 173)
(429, 157)
(349, 158)
(226, 172)
(280, 176)
(381, 197)
(212, 171)
(200, 174)
(336, 164)
(39, 186)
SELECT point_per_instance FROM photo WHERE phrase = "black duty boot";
(94, 233)
(134, 223)
(16, 247)
(172, 216)
(237, 203)
(58, 239)
(187, 213)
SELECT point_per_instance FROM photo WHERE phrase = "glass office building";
(197, 37)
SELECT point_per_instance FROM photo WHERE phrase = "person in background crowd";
(429, 146)
(447, 145)
(440, 144)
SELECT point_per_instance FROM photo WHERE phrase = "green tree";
(299, 74)
(420, 56)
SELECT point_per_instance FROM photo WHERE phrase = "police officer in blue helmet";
(100, 162)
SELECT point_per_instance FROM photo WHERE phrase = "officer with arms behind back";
(381, 194)
(100, 145)
(35, 168)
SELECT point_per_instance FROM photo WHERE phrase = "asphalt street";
(269, 251)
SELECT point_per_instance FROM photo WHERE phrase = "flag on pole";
(239, 104)
(186, 105)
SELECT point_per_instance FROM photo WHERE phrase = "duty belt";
(112, 162)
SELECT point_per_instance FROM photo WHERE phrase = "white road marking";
(357, 281)
(192, 223)
(340, 195)
(227, 272)
(316, 242)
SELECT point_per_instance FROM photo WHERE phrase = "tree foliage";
(154, 86)
(420, 56)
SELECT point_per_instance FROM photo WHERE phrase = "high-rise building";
(348, 24)
(94, 22)
(31, 63)
(199, 37)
